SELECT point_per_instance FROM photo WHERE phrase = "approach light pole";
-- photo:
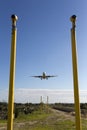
(41, 99)
(47, 100)
(75, 74)
(12, 75)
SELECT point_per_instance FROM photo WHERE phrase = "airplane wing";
(49, 76)
(37, 76)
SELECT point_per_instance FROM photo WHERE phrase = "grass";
(36, 115)
(43, 120)
(47, 121)
(3, 123)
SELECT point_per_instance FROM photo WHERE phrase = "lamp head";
(73, 18)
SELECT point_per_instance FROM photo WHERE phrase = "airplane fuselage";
(44, 75)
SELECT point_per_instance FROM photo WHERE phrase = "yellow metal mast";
(12, 75)
(75, 74)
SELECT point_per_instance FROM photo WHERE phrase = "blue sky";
(43, 43)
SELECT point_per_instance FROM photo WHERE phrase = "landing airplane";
(44, 76)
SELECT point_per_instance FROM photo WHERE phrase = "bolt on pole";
(75, 74)
(12, 74)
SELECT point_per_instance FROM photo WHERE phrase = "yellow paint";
(12, 75)
(75, 75)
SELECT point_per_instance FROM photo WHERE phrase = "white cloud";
(33, 95)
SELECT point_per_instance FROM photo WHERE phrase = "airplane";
(44, 76)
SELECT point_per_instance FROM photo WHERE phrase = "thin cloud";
(23, 95)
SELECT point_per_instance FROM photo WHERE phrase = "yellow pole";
(12, 75)
(75, 74)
